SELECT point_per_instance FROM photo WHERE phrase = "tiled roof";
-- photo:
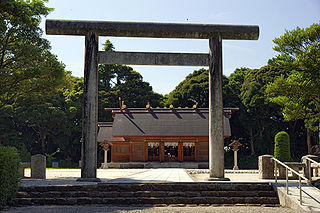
(162, 122)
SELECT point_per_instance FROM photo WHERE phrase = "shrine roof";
(105, 131)
(166, 110)
(164, 122)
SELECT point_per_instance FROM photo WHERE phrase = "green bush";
(9, 174)
(282, 146)
(67, 163)
(244, 161)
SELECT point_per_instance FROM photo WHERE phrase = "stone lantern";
(235, 147)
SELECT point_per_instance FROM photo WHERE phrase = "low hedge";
(9, 174)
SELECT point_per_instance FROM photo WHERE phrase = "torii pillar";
(93, 29)
(216, 136)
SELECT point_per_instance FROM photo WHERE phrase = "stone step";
(155, 187)
(149, 193)
(111, 194)
(147, 200)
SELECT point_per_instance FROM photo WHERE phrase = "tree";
(122, 81)
(194, 89)
(232, 87)
(26, 64)
(260, 112)
(46, 122)
(298, 92)
(42, 113)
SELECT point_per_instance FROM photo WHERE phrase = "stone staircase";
(149, 194)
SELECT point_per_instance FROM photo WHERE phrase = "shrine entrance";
(93, 29)
(189, 152)
(171, 152)
(153, 151)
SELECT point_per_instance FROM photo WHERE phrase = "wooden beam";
(153, 30)
(152, 58)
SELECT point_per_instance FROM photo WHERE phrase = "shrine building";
(158, 137)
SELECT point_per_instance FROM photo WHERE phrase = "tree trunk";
(309, 142)
(252, 142)
(319, 132)
(43, 141)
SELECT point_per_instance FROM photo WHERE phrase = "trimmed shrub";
(282, 146)
(9, 174)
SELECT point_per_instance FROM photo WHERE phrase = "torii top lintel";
(153, 30)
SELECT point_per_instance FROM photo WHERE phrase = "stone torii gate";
(93, 29)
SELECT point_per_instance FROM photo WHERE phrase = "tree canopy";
(298, 92)
(26, 63)
(193, 90)
(122, 81)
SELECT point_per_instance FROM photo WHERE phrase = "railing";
(309, 167)
(287, 178)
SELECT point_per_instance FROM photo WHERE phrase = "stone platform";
(61, 177)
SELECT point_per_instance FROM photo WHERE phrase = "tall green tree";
(122, 81)
(41, 114)
(193, 89)
(26, 63)
(299, 91)
(44, 122)
(261, 113)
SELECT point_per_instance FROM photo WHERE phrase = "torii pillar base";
(218, 179)
(89, 180)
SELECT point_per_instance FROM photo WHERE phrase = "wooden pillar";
(216, 139)
(90, 110)
(161, 147)
(146, 151)
(196, 151)
(180, 151)
(130, 150)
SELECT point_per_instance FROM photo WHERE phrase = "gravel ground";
(146, 209)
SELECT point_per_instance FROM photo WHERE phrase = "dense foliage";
(9, 174)
(41, 103)
(298, 92)
(192, 90)
(26, 64)
(282, 146)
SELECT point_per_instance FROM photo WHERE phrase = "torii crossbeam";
(93, 29)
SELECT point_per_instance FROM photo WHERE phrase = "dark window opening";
(188, 153)
(170, 152)
(153, 152)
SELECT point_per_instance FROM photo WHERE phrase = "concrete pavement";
(69, 176)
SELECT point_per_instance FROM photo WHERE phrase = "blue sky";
(272, 16)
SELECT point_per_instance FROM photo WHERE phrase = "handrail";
(313, 161)
(292, 170)
(309, 166)
(287, 179)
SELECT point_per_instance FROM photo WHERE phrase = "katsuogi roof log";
(154, 30)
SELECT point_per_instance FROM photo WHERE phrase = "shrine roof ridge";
(150, 29)
(166, 110)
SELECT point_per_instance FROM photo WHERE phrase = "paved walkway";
(69, 176)
(310, 195)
